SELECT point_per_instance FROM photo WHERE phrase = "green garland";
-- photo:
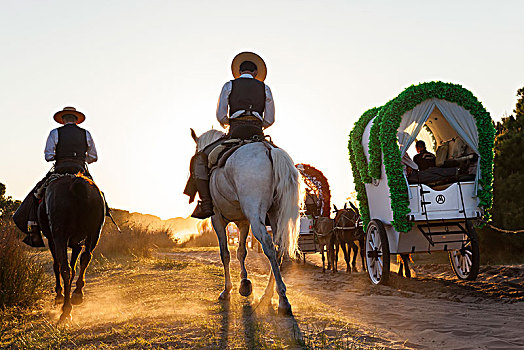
(359, 162)
(359, 187)
(375, 152)
(356, 142)
(383, 141)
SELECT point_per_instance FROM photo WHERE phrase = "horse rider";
(70, 147)
(246, 105)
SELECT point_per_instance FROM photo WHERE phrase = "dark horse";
(71, 215)
(348, 229)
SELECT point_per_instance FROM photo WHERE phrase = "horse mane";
(208, 138)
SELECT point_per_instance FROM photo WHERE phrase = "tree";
(508, 186)
(7, 204)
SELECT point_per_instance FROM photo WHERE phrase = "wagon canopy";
(318, 186)
(449, 112)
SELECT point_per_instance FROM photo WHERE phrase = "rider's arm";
(269, 109)
(223, 103)
(50, 146)
(91, 149)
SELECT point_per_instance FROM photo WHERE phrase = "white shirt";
(223, 105)
(52, 140)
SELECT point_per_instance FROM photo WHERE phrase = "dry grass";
(23, 280)
(172, 303)
(134, 240)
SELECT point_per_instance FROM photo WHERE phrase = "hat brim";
(59, 116)
(249, 56)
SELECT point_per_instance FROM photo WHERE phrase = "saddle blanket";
(220, 154)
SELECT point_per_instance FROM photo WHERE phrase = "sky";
(145, 72)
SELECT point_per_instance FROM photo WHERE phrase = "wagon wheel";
(466, 261)
(377, 252)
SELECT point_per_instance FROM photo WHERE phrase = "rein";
(344, 215)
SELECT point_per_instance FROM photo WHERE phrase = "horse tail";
(79, 188)
(286, 186)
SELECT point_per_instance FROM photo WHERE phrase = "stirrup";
(34, 239)
(201, 212)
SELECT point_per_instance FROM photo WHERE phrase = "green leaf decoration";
(383, 143)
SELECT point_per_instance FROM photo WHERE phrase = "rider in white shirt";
(246, 105)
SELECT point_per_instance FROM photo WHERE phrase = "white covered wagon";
(410, 211)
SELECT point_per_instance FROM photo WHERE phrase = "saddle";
(220, 154)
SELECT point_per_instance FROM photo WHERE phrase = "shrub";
(134, 240)
(23, 280)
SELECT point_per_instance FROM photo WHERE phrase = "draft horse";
(348, 230)
(71, 215)
(257, 181)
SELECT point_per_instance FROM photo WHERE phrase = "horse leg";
(405, 259)
(354, 248)
(245, 284)
(323, 259)
(346, 252)
(78, 295)
(328, 256)
(75, 252)
(65, 272)
(261, 234)
(334, 246)
(59, 299)
(361, 244)
(219, 225)
(270, 288)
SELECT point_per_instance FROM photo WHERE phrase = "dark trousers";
(245, 129)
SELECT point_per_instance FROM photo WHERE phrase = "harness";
(357, 221)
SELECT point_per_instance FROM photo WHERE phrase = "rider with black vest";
(246, 105)
(70, 147)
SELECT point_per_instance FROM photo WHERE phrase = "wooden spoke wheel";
(377, 252)
(466, 261)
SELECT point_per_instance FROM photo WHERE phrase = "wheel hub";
(374, 254)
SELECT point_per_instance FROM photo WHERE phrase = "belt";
(246, 117)
(70, 160)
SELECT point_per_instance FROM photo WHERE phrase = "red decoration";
(318, 184)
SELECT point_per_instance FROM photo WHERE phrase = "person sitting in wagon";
(246, 105)
(424, 158)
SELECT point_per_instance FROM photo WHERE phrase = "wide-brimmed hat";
(58, 117)
(249, 56)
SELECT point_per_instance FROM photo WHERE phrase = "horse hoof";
(65, 319)
(285, 310)
(245, 288)
(59, 300)
(77, 298)
(225, 295)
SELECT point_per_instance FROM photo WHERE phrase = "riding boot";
(34, 237)
(204, 207)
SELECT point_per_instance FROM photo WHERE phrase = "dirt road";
(170, 302)
(432, 310)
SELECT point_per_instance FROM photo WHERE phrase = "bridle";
(344, 214)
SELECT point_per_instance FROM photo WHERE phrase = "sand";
(433, 310)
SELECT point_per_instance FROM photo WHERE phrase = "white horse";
(255, 182)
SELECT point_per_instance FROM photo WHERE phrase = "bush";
(133, 240)
(23, 280)
(500, 248)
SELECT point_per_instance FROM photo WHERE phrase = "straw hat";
(58, 117)
(249, 56)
